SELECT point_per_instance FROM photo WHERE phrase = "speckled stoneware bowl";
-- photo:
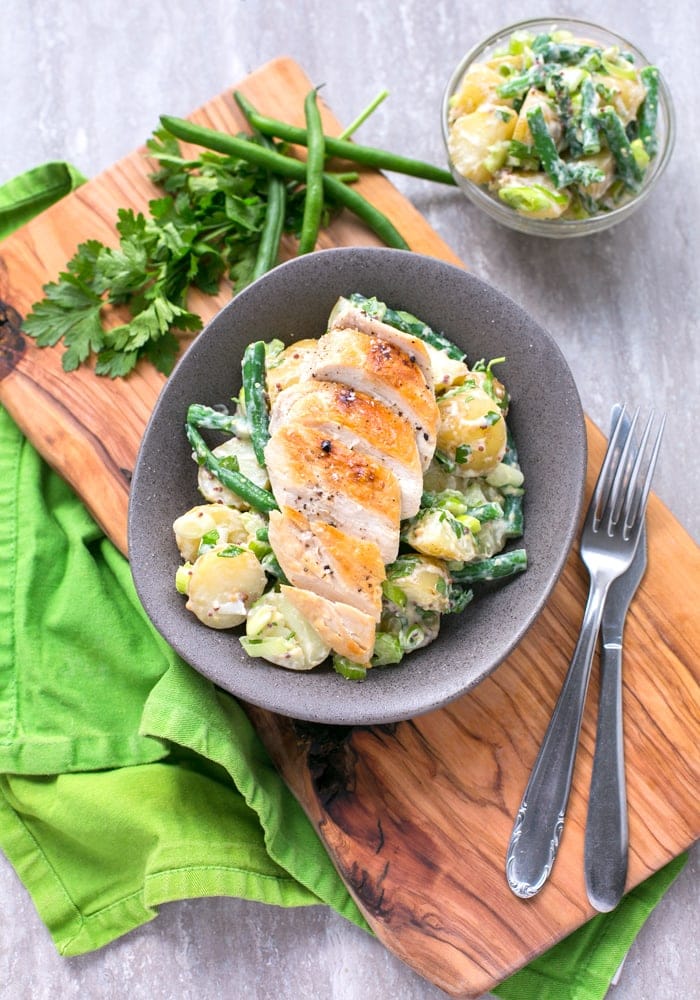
(294, 301)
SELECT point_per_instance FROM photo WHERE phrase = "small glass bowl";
(558, 228)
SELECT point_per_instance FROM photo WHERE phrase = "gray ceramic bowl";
(294, 301)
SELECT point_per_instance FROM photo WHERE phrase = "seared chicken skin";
(372, 365)
(353, 425)
(362, 422)
(317, 556)
(289, 367)
(327, 481)
(347, 316)
(346, 630)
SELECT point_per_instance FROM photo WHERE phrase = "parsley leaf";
(203, 229)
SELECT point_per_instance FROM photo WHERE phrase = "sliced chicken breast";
(346, 630)
(319, 557)
(289, 367)
(362, 422)
(327, 481)
(374, 366)
(347, 316)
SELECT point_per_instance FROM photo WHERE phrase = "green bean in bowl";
(557, 128)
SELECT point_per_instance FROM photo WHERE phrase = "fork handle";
(606, 843)
(538, 827)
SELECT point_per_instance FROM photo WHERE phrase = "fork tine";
(618, 436)
(639, 494)
(623, 475)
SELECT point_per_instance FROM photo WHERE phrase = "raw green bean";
(628, 169)
(363, 209)
(315, 158)
(648, 113)
(369, 156)
(267, 254)
(269, 246)
(498, 567)
(253, 368)
(364, 115)
(258, 498)
(287, 166)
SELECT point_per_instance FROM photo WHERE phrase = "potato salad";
(363, 484)
(555, 125)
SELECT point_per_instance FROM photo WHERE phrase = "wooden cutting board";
(416, 816)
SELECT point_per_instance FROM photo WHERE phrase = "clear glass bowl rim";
(561, 227)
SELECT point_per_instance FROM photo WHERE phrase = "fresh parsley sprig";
(206, 227)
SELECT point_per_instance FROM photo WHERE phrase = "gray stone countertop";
(87, 83)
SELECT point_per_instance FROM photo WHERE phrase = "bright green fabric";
(126, 779)
(77, 657)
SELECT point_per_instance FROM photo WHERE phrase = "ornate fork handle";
(537, 831)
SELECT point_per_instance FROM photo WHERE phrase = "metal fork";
(608, 542)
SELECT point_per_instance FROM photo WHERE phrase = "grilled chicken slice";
(347, 316)
(327, 481)
(346, 630)
(362, 422)
(374, 366)
(319, 557)
(289, 367)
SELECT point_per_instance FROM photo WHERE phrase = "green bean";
(628, 169)
(287, 166)
(497, 567)
(648, 113)
(369, 156)
(213, 420)
(511, 453)
(590, 139)
(486, 511)
(560, 173)
(269, 245)
(518, 86)
(253, 368)
(258, 498)
(513, 514)
(566, 113)
(459, 598)
(267, 254)
(363, 209)
(552, 163)
(563, 52)
(272, 567)
(407, 323)
(316, 155)
(364, 115)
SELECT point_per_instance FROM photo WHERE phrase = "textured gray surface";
(87, 82)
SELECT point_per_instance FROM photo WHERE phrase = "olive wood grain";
(416, 816)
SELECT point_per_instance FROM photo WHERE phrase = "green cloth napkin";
(127, 779)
